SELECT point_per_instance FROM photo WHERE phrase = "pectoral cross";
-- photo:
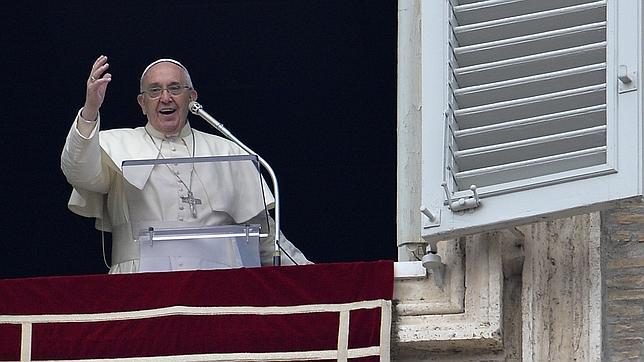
(192, 201)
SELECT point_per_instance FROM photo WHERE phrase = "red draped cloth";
(205, 333)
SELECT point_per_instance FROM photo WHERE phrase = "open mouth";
(167, 111)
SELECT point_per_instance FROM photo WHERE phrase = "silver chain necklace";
(190, 198)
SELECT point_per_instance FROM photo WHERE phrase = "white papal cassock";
(92, 166)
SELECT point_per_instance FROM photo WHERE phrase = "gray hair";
(166, 60)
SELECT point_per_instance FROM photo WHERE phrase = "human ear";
(141, 102)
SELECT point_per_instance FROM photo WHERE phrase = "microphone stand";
(197, 109)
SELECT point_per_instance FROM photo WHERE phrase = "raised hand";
(96, 87)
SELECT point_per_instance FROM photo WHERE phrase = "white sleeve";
(81, 163)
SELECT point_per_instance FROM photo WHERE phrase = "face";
(168, 113)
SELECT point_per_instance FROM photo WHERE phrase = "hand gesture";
(96, 87)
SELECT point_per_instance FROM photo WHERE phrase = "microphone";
(197, 109)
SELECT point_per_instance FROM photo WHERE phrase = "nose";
(165, 96)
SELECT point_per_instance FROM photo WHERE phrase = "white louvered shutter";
(535, 102)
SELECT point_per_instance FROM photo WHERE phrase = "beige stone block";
(625, 310)
(626, 281)
(628, 218)
(479, 326)
(627, 235)
(625, 356)
(637, 262)
(622, 233)
(561, 293)
(625, 295)
(622, 330)
(624, 344)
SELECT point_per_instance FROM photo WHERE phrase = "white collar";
(185, 131)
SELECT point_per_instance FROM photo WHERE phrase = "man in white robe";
(92, 162)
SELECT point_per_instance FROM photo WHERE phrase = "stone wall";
(561, 294)
(572, 290)
(623, 276)
(550, 296)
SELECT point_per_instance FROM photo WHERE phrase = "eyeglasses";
(175, 90)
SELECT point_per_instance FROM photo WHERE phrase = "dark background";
(310, 85)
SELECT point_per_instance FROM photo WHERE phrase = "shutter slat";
(530, 107)
(510, 146)
(550, 165)
(532, 43)
(526, 149)
(530, 23)
(531, 86)
(472, 11)
(532, 127)
(531, 64)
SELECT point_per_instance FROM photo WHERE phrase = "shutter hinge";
(462, 203)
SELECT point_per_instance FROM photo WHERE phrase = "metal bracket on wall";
(627, 80)
(430, 219)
